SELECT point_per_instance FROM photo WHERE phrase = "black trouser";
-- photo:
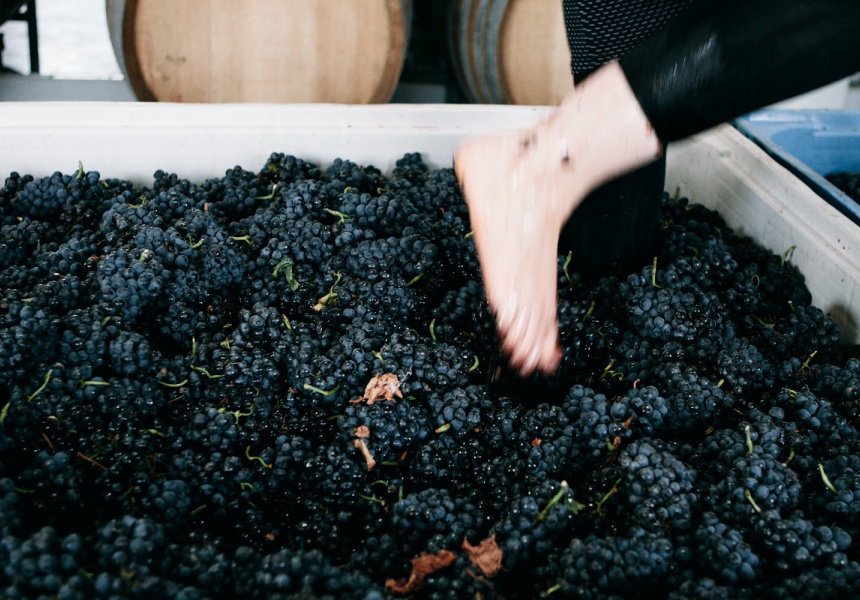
(612, 231)
(694, 64)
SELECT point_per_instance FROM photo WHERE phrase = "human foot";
(515, 227)
(522, 186)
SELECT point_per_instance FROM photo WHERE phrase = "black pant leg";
(612, 231)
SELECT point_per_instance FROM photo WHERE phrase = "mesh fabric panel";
(599, 31)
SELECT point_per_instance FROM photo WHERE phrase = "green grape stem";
(41, 387)
(565, 265)
(791, 456)
(608, 372)
(541, 516)
(602, 501)
(270, 195)
(249, 457)
(173, 385)
(809, 358)
(372, 499)
(143, 202)
(324, 301)
(325, 393)
(748, 496)
(443, 428)
(654, 274)
(749, 440)
(94, 383)
(826, 479)
(207, 373)
(237, 413)
(589, 312)
(762, 322)
(341, 216)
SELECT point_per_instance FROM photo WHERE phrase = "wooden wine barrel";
(510, 51)
(343, 51)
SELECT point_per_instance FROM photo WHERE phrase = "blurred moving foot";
(522, 186)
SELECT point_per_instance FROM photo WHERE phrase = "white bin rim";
(198, 141)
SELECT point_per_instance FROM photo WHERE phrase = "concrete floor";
(77, 61)
(73, 41)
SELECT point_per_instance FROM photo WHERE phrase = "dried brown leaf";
(422, 566)
(381, 387)
(365, 451)
(487, 555)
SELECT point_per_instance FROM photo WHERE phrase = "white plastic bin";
(720, 168)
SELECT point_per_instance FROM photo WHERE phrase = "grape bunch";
(286, 383)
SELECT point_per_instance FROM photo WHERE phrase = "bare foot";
(522, 186)
(516, 224)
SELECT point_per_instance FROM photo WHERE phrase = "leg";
(522, 187)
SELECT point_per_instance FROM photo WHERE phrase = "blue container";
(811, 144)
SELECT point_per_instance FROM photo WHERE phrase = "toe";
(514, 336)
(551, 354)
(532, 361)
(512, 349)
(526, 353)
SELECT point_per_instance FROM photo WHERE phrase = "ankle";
(605, 129)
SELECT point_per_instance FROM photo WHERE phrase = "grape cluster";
(286, 383)
(657, 487)
(723, 552)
